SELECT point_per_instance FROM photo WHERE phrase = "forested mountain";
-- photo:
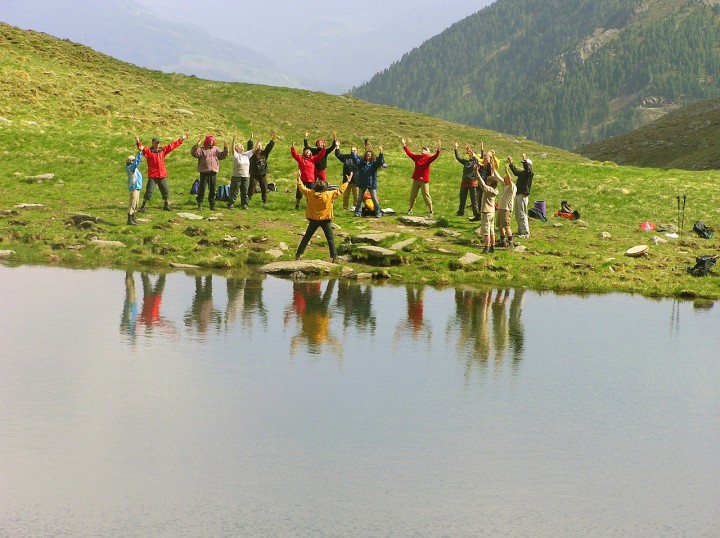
(686, 138)
(562, 72)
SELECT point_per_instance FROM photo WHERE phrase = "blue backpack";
(223, 193)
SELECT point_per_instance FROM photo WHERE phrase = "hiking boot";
(212, 207)
(491, 249)
(509, 243)
(143, 209)
(166, 206)
(485, 250)
(459, 214)
(334, 260)
(130, 221)
(297, 206)
(500, 242)
(244, 206)
(199, 207)
(230, 205)
(409, 211)
(474, 219)
(134, 219)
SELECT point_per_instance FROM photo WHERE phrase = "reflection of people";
(157, 174)
(149, 317)
(245, 301)
(129, 318)
(415, 324)
(311, 307)
(201, 313)
(500, 326)
(355, 301)
(516, 329)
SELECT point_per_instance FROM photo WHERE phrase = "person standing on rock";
(134, 177)
(524, 184)
(157, 174)
(319, 212)
(208, 157)
(421, 175)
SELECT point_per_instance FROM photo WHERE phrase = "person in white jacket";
(240, 178)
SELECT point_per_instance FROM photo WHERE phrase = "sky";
(336, 45)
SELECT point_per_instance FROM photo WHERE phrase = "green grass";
(74, 113)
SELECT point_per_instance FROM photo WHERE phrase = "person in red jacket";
(421, 174)
(157, 174)
(306, 166)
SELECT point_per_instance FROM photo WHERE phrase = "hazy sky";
(305, 39)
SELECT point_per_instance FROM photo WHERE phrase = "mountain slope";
(686, 138)
(563, 72)
(129, 31)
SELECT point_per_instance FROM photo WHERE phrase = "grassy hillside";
(71, 112)
(686, 138)
(564, 72)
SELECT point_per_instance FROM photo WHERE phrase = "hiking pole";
(678, 215)
(682, 226)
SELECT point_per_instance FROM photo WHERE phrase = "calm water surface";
(135, 404)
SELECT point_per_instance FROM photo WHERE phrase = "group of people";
(480, 182)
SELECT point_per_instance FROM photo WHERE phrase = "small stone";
(605, 235)
(189, 216)
(6, 253)
(469, 258)
(103, 243)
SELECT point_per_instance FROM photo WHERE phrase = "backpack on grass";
(223, 193)
(702, 230)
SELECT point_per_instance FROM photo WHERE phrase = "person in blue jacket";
(135, 181)
(367, 179)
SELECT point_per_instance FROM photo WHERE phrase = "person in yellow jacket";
(319, 212)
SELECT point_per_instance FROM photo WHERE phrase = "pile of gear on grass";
(703, 264)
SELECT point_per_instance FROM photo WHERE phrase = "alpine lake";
(191, 404)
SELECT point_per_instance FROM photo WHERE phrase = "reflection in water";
(476, 313)
(149, 317)
(414, 324)
(201, 313)
(355, 302)
(310, 305)
(245, 301)
(630, 404)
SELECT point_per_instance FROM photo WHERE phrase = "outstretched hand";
(348, 177)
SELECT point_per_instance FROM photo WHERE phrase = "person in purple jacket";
(209, 157)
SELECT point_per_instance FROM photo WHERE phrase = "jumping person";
(157, 174)
(421, 174)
